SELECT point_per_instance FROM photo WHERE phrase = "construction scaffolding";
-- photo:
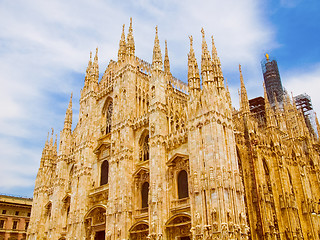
(257, 109)
(272, 80)
(303, 103)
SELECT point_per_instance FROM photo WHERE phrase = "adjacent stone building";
(14, 217)
(154, 158)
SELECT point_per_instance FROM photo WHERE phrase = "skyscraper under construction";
(272, 80)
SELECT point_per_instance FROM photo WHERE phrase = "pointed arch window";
(144, 151)
(183, 189)
(104, 173)
(48, 211)
(145, 195)
(290, 181)
(71, 173)
(109, 118)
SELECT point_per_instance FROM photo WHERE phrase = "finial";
(123, 27)
(191, 41)
(202, 31)
(96, 56)
(240, 68)
(267, 56)
(90, 55)
(52, 131)
(130, 21)
(156, 30)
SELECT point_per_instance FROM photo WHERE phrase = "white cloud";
(289, 3)
(45, 45)
(305, 80)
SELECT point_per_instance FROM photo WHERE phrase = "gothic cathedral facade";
(154, 158)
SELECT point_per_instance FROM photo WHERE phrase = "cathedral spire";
(205, 60)
(269, 113)
(130, 41)
(244, 102)
(157, 57)
(96, 67)
(193, 70)
(122, 46)
(166, 60)
(228, 95)
(45, 150)
(55, 146)
(89, 69)
(68, 118)
(51, 138)
(216, 65)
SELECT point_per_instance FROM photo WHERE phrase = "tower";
(272, 79)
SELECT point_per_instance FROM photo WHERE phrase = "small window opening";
(104, 173)
(144, 195)
(183, 190)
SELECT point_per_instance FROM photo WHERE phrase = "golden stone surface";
(181, 162)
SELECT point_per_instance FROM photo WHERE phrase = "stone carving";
(229, 155)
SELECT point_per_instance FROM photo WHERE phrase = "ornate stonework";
(154, 158)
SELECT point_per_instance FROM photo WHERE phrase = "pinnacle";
(68, 118)
(193, 70)
(122, 46)
(157, 57)
(191, 53)
(96, 56)
(166, 60)
(265, 94)
(51, 138)
(244, 97)
(205, 58)
(214, 49)
(130, 40)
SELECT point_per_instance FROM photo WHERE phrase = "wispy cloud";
(289, 3)
(305, 80)
(45, 45)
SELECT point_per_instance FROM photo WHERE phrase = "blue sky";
(45, 45)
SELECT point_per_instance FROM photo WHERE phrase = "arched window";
(183, 190)
(290, 181)
(48, 210)
(70, 177)
(144, 195)
(104, 173)
(109, 118)
(145, 149)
